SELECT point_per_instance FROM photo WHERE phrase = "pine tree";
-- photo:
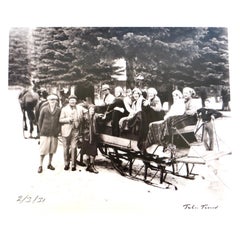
(159, 57)
(19, 69)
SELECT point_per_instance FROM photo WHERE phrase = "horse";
(28, 99)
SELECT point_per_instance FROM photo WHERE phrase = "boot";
(87, 168)
(94, 169)
(88, 164)
(91, 169)
(92, 160)
(81, 163)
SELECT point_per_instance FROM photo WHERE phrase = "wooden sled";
(184, 151)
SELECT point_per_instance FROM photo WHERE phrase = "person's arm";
(127, 104)
(59, 124)
(63, 117)
(80, 110)
(40, 119)
(156, 104)
(215, 114)
(200, 111)
(112, 105)
(191, 108)
(109, 99)
(139, 104)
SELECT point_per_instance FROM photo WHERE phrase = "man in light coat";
(70, 119)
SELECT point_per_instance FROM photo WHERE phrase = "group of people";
(73, 123)
(79, 122)
(143, 109)
(183, 112)
(133, 109)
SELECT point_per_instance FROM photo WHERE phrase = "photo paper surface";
(143, 173)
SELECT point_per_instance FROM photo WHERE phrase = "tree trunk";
(130, 74)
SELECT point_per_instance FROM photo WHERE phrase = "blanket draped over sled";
(160, 132)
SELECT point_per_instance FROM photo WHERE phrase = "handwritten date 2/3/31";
(30, 199)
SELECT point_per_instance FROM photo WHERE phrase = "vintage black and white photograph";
(126, 125)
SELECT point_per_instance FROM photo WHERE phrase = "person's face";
(52, 102)
(186, 95)
(117, 92)
(72, 102)
(135, 95)
(150, 94)
(106, 91)
(175, 98)
(129, 93)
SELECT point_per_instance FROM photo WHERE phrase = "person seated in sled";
(152, 105)
(116, 111)
(108, 98)
(160, 132)
(128, 100)
(129, 121)
(207, 116)
(178, 106)
(151, 112)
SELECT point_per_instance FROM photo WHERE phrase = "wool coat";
(48, 121)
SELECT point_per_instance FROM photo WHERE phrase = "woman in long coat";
(89, 137)
(49, 129)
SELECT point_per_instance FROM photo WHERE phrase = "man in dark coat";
(208, 115)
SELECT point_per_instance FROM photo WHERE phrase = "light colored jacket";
(177, 108)
(65, 117)
(191, 107)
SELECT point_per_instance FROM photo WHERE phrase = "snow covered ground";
(66, 204)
